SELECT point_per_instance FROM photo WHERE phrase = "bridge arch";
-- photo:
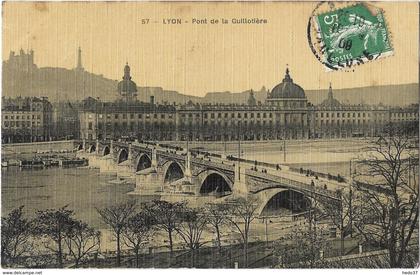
(143, 162)
(213, 181)
(106, 151)
(173, 171)
(282, 201)
(122, 155)
(79, 147)
(92, 148)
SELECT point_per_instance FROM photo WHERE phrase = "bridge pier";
(240, 187)
(125, 168)
(108, 165)
(148, 182)
(94, 160)
(97, 147)
(154, 158)
(187, 173)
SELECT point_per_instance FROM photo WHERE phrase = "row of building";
(286, 114)
(26, 119)
(32, 119)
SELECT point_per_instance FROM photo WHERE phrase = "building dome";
(287, 89)
(127, 87)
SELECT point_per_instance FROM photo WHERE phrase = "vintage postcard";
(210, 135)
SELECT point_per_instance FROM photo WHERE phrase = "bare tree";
(166, 215)
(342, 215)
(117, 217)
(190, 228)
(216, 216)
(389, 188)
(15, 236)
(138, 231)
(53, 224)
(81, 240)
(241, 214)
(302, 250)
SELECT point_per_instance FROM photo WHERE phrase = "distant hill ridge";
(76, 84)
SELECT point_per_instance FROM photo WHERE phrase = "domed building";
(127, 89)
(287, 94)
(291, 109)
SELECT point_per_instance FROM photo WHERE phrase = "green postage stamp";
(352, 36)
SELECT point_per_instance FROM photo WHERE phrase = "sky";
(196, 59)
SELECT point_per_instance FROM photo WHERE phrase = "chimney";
(152, 100)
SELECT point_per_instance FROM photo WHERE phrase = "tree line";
(73, 242)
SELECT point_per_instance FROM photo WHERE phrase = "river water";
(81, 189)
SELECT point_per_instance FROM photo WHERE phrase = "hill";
(75, 84)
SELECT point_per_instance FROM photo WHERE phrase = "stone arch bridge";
(163, 169)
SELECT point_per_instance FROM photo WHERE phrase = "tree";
(343, 214)
(138, 231)
(117, 217)
(81, 240)
(15, 236)
(190, 228)
(216, 216)
(302, 250)
(389, 188)
(53, 224)
(166, 215)
(241, 214)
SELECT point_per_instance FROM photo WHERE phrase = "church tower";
(251, 99)
(330, 93)
(79, 60)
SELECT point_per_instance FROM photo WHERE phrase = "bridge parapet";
(120, 144)
(104, 142)
(213, 165)
(272, 181)
(170, 155)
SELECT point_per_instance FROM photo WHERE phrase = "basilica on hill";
(286, 114)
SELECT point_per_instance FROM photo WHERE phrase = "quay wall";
(33, 147)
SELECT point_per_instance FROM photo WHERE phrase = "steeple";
(330, 101)
(330, 93)
(79, 59)
(251, 99)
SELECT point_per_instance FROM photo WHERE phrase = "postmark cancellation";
(351, 36)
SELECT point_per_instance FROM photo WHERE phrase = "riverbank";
(15, 150)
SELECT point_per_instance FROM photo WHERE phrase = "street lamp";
(351, 199)
(284, 150)
(239, 140)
